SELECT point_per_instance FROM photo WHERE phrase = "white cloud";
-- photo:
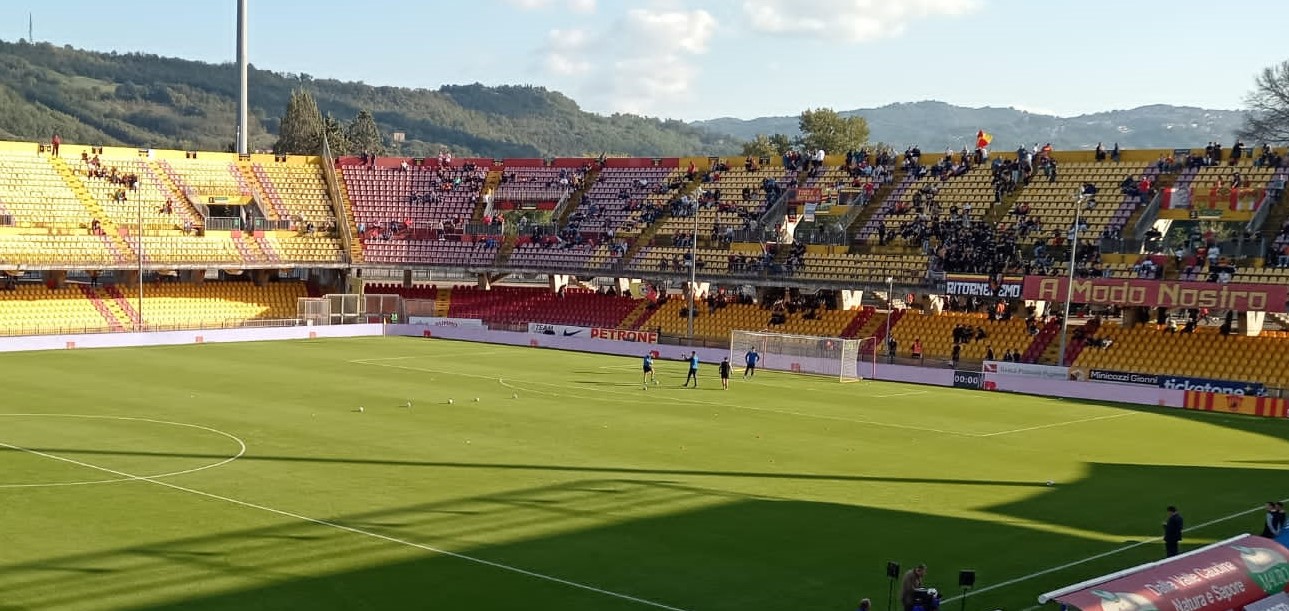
(848, 20)
(577, 6)
(566, 53)
(529, 5)
(646, 58)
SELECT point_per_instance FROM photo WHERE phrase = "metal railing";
(229, 223)
(6, 220)
(199, 325)
(1148, 217)
(1264, 210)
(333, 189)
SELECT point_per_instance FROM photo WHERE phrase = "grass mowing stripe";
(349, 529)
(641, 398)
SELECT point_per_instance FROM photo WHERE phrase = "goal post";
(847, 359)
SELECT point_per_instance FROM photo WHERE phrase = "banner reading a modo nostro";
(1159, 293)
(1228, 575)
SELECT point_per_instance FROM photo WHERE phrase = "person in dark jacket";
(1172, 532)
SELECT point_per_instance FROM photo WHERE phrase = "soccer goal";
(849, 360)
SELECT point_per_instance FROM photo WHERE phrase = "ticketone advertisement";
(1159, 294)
(1227, 575)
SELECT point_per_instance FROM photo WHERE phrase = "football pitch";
(244, 476)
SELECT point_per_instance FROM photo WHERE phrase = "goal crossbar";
(847, 359)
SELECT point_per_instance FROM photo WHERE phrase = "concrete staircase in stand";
(118, 246)
(110, 318)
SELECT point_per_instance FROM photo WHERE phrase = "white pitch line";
(641, 398)
(1057, 424)
(350, 529)
(901, 394)
(241, 451)
(1117, 550)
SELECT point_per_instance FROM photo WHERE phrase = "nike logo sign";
(568, 333)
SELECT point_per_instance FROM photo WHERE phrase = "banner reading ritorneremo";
(1159, 293)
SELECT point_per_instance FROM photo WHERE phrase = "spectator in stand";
(54, 144)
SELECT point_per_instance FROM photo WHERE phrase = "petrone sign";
(1159, 294)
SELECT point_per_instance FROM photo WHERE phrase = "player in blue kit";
(648, 371)
(693, 370)
(751, 358)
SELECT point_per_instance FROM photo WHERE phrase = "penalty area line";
(349, 529)
(1117, 550)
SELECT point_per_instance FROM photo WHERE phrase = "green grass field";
(241, 476)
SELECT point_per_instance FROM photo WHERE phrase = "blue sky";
(742, 58)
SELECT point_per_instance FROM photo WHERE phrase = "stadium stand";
(416, 215)
(713, 324)
(186, 305)
(937, 337)
(621, 199)
(728, 202)
(297, 191)
(68, 214)
(1202, 354)
(545, 185)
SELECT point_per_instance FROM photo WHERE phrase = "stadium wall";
(1071, 389)
(174, 338)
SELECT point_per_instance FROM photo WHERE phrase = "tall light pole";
(693, 272)
(890, 309)
(243, 106)
(1069, 285)
(138, 208)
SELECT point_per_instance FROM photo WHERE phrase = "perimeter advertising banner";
(1026, 370)
(1123, 377)
(617, 335)
(1221, 387)
(1228, 575)
(541, 328)
(1159, 294)
(1267, 407)
(620, 335)
(981, 285)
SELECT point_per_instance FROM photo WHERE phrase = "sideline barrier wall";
(709, 356)
(1096, 391)
(174, 338)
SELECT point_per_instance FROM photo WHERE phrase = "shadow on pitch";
(682, 546)
(556, 468)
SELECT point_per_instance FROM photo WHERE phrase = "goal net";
(848, 360)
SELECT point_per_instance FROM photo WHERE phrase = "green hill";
(936, 125)
(145, 100)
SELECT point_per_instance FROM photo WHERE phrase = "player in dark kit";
(725, 373)
(751, 359)
(693, 370)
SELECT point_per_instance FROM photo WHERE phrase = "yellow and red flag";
(983, 139)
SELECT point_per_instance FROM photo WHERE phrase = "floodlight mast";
(243, 63)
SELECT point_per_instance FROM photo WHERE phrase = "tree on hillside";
(301, 130)
(364, 136)
(771, 146)
(336, 136)
(823, 128)
(1268, 118)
